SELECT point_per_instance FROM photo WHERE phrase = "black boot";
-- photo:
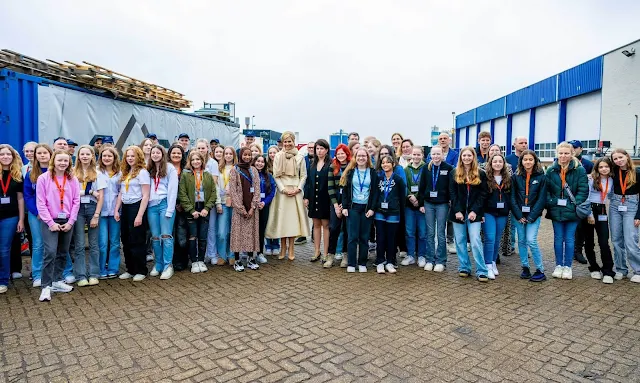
(578, 257)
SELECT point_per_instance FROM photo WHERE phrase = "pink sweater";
(48, 199)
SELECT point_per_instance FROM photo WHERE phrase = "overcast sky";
(320, 66)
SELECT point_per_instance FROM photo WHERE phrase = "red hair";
(336, 163)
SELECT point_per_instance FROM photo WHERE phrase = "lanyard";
(434, 176)
(157, 179)
(225, 176)
(500, 189)
(563, 179)
(415, 177)
(526, 189)
(60, 189)
(5, 187)
(603, 192)
(87, 187)
(484, 157)
(248, 178)
(361, 180)
(623, 185)
(387, 186)
(126, 183)
(198, 175)
(468, 191)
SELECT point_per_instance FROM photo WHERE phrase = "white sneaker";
(390, 268)
(451, 248)
(275, 251)
(261, 259)
(409, 260)
(490, 273)
(344, 262)
(338, 257)
(139, 277)
(380, 268)
(402, 254)
(351, 269)
(429, 266)
(125, 275)
(635, 278)
(567, 273)
(557, 272)
(37, 282)
(607, 279)
(438, 268)
(268, 252)
(495, 269)
(3, 288)
(69, 280)
(154, 272)
(203, 267)
(238, 266)
(422, 262)
(61, 287)
(596, 275)
(195, 267)
(16, 275)
(45, 295)
(167, 273)
(150, 257)
(619, 276)
(362, 269)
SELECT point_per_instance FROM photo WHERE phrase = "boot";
(329, 262)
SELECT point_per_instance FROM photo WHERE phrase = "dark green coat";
(579, 185)
(187, 191)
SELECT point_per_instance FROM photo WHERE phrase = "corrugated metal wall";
(584, 78)
(490, 111)
(540, 93)
(18, 109)
(466, 119)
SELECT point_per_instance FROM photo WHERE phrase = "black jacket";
(347, 191)
(537, 195)
(442, 184)
(495, 196)
(459, 197)
(396, 197)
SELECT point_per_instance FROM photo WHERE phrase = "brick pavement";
(296, 322)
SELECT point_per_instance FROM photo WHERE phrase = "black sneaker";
(252, 264)
(578, 257)
(538, 276)
(237, 266)
(526, 273)
(300, 241)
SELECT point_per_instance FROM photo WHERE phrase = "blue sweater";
(263, 186)
(30, 193)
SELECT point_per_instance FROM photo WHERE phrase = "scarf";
(287, 165)
(245, 168)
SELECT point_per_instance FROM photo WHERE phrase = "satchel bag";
(584, 209)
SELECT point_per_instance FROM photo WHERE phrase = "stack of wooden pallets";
(94, 77)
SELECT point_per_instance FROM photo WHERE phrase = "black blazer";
(347, 191)
(476, 197)
(442, 185)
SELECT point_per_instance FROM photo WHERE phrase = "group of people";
(219, 205)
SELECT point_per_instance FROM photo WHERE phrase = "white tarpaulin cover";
(80, 116)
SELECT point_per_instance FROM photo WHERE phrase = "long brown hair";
(537, 166)
(595, 174)
(203, 159)
(398, 152)
(15, 168)
(36, 170)
(504, 173)
(115, 167)
(473, 176)
(353, 164)
(52, 164)
(158, 171)
(78, 170)
(128, 171)
(631, 168)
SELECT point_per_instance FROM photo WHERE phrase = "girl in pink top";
(58, 201)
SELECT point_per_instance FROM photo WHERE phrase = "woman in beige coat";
(287, 217)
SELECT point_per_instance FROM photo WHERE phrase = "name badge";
(85, 199)
(340, 191)
(62, 215)
(251, 190)
(433, 194)
(602, 218)
(262, 195)
(444, 172)
(384, 205)
(526, 209)
(5, 200)
(622, 208)
(562, 202)
(414, 189)
(500, 205)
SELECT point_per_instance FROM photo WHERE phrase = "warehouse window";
(546, 150)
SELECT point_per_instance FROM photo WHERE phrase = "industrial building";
(596, 102)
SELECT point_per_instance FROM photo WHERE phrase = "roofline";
(622, 46)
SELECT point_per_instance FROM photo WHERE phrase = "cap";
(183, 135)
(70, 142)
(107, 140)
(98, 139)
(59, 138)
(576, 144)
(152, 136)
(250, 135)
(217, 141)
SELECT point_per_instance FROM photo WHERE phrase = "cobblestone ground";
(293, 321)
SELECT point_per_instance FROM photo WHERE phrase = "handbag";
(584, 209)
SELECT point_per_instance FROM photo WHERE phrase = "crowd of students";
(220, 205)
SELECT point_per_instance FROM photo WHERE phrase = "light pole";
(635, 147)
(453, 128)
(252, 125)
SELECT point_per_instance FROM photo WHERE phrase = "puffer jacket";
(579, 185)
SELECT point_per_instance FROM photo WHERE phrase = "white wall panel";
(520, 125)
(473, 135)
(500, 131)
(583, 117)
(485, 126)
(546, 123)
(463, 137)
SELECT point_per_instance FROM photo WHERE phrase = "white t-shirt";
(132, 192)
(111, 191)
(212, 167)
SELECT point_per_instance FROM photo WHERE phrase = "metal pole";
(252, 125)
(635, 147)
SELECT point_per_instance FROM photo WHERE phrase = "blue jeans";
(161, 234)
(212, 234)
(416, 225)
(528, 239)
(8, 228)
(460, 232)
(436, 219)
(85, 214)
(340, 244)
(37, 247)
(109, 244)
(624, 235)
(272, 244)
(224, 230)
(493, 227)
(564, 241)
(512, 232)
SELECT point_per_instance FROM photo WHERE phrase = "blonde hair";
(15, 168)
(288, 134)
(205, 142)
(473, 176)
(256, 146)
(36, 170)
(127, 170)
(223, 163)
(78, 170)
(52, 163)
(430, 165)
(353, 164)
(566, 145)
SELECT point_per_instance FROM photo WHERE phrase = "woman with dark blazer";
(316, 197)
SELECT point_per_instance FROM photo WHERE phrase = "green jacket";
(579, 185)
(187, 191)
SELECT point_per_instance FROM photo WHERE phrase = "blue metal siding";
(18, 109)
(532, 128)
(457, 143)
(509, 133)
(584, 78)
(562, 121)
(489, 111)
(538, 94)
(466, 119)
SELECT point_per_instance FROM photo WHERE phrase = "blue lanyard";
(415, 177)
(249, 178)
(434, 176)
(88, 188)
(360, 180)
(387, 187)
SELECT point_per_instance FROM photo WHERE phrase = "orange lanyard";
(60, 189)
(500, 189)
(198, 181)
(563, 178)
(526, 189)
(603, 193)
(157, 183)
(623, 185)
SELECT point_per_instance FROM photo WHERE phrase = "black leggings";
(602, 229)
